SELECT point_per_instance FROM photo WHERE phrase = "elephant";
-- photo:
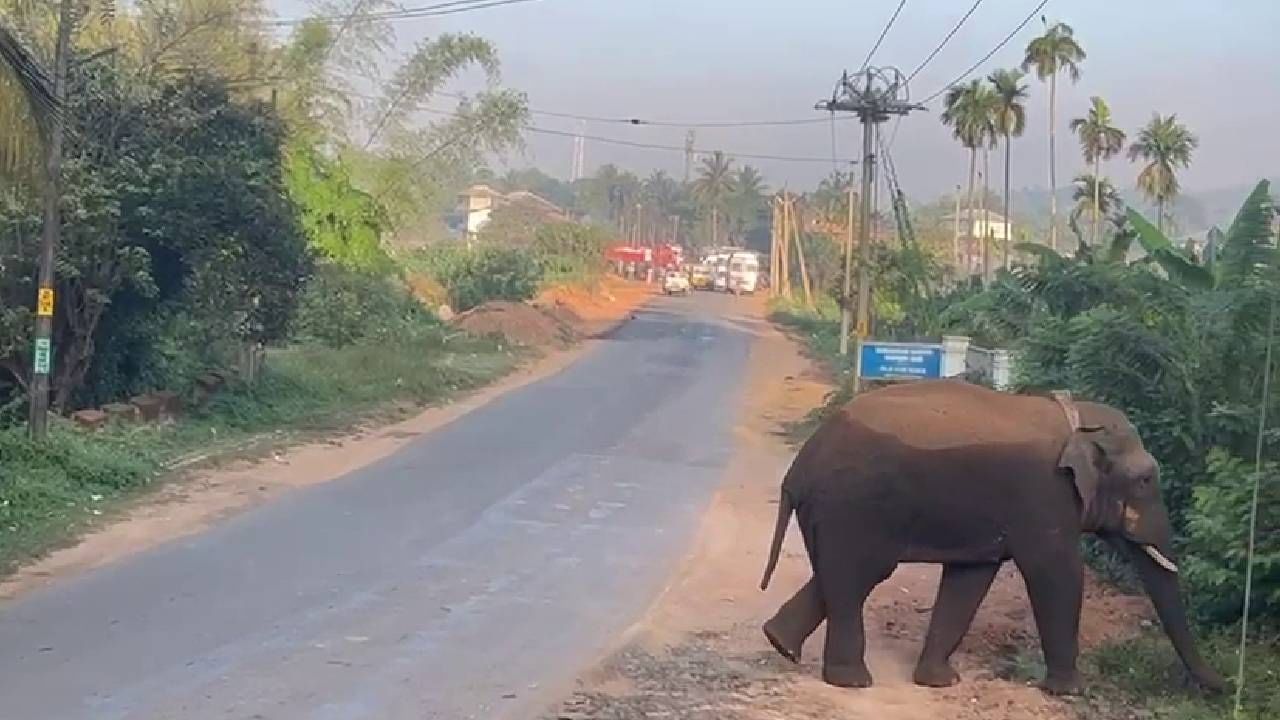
(946, 472)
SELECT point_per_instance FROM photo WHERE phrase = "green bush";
(473, 276)
(1217, 538)
(568, 252)
(341, 307)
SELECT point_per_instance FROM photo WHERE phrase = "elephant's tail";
(779, 532)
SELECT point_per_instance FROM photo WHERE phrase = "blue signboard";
(886, 359)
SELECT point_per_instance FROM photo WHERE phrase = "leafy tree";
(343, 223)
(146, 239)
(1009, 117)
(713, 188)
(1164, 145)
(1054, 52)
(1099, 140)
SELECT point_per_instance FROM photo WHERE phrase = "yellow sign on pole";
(44, 303)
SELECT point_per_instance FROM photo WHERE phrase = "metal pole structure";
(875, 94)
(38, 422)
(864, 242)
(846, 306)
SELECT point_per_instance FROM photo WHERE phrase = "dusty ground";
(699, 652)
(196, 499)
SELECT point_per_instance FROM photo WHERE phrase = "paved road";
(459, 578)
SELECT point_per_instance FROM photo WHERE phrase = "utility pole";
(51, 233)
(848, 262)
(875, 94)
(688, 154)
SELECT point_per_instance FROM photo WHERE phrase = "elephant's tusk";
(1160, 559)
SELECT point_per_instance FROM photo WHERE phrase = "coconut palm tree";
(1053, 52)
(713, 187)
(968, 112)
(1010, 120)
(746, 198)
(1099, 140)
(1165, 145)
(27, 104)
(1094, 195)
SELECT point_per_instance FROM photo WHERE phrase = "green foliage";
(570, 252)
(473, 276)
(342, 307)
(1217, 536)
(343, 223)
(155, 230)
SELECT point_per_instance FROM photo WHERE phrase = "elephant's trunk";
(1161, 585)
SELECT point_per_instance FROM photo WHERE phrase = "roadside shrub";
(1217, 539)
(473, 276)
(569, 251)
(341, 307)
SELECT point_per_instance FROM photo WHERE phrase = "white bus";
(744, 272)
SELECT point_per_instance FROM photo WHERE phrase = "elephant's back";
(948, 414)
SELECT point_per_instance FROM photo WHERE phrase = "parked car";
(675, 282)
(700, 276)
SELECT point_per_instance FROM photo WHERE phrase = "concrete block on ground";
(149, 407)
(89, 419)
(171, 403)
(120, 412)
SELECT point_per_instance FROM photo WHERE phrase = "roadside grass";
(818, 329)
(51, 492)
(1142, 677)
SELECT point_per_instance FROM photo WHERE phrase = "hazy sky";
(1214, 63)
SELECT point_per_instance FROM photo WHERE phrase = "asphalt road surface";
(467, 576)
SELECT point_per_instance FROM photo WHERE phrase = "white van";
(744, 272)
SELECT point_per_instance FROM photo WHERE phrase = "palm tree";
(712, 189)
(1054, 51)
(1010, 120)
(1094, 195)
(27, 103)
(969, 114)
(1165, 145)
(747, 198)
(1099, 140)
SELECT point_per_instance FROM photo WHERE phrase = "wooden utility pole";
(875, 94)
(804, 270)
(51, 233)
(784, 252)
(773, 251)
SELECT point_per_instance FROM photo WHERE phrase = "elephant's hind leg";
(846, 579)
(796, 620)
(960, 592)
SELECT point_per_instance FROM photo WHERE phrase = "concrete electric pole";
(875, 94)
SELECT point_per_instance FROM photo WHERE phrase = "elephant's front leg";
(1055, 583)
(960, 592)
(796, 620)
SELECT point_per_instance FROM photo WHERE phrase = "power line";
(656, 146)
(944, 42)
(885, 31)
(987, 57)
(436, 10)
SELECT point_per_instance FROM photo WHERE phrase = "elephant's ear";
(1082, 457)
